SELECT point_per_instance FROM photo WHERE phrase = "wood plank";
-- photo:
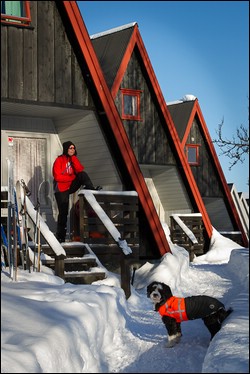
(30, 91)
(45, 51)
(4, 62)
(15, 63)
(63, 75)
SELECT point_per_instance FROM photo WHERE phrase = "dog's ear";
(157, 306)
(148, 292)
(166, 291)
(150, 288)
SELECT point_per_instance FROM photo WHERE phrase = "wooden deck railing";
(122, 208)
(187, 230)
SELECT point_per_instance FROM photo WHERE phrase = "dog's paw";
(170, 344)
(173, 340)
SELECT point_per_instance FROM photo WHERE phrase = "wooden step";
(72, 250)
(73, 263)
(78, 265)
(84, 277)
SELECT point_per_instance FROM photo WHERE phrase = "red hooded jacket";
(64, 171)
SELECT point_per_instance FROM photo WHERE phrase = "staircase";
(81, 266)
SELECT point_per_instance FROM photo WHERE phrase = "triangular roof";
(123, 41)
(183, 114)
(181, 117)
(105, 43)
(113, 123)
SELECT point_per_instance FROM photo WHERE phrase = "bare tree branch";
(235, 148)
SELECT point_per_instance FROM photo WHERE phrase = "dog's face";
(158, 292)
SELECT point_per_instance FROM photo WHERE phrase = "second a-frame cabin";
(52, 91)
(148, 124)
(153, 131)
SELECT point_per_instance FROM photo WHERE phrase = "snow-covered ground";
(52, 327)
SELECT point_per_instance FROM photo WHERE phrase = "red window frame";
(197, 156)
(137, 101)
(16, 20)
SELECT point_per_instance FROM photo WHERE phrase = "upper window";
(192, 152)
(131, 104)
(15, 12)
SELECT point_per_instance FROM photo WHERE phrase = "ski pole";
(39, 247)
(35, 240)
(27, 192)
(37, 208)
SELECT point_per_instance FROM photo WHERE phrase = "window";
(192, 152)
(131, 104)
(15, 12)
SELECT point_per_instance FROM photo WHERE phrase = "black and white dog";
(175, 310)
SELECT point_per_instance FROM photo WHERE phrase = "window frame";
(133, 93)
(8, 19)
(197, 154)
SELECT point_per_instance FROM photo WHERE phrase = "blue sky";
(199, 48)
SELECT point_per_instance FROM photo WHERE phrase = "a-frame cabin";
(53, 90)
(148, 123)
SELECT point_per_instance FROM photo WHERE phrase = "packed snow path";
(52, 327)
(191, 351)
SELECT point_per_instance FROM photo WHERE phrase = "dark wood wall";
(205, 174)
(148, 137)
(38, 63)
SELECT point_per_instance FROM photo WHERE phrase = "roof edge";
(112, 31)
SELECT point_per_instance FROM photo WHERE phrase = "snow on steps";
(81, 266)
(83, 269)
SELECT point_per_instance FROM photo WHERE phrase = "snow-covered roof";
(187, 97)
(111, 31)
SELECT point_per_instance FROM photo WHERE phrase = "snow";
(111, 31)
(106, 193)
(49, 326)
(189, 98)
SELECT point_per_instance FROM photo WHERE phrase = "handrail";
(184, 227)
(45, 231)
(89, 196)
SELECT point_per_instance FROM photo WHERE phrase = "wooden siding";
(205, 174)
(38, 62)
(147, 137)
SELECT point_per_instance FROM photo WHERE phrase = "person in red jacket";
(69, 176)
